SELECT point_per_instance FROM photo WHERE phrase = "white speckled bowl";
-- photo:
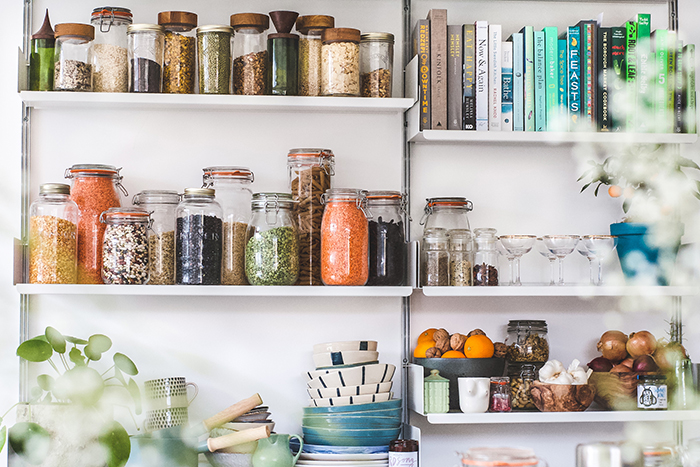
(356, 376)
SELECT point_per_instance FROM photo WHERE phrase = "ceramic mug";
(167, 402)
(473, 394)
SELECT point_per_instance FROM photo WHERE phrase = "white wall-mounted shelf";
(581, 291)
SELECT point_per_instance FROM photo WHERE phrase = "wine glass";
(503, 252)
(544, 251)
(600, 246)
(581, 248)
(517, 246)
(561, 246)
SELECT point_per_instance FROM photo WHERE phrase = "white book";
(495, 77)
(482, 75)
(507, 86)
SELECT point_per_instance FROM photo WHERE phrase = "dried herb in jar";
(214, 53)
(272, 257)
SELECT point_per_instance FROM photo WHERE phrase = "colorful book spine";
(645, 100)
(631, 60)
(518, 58)
(469, 101)
(573, 54)
(604, 71)
(563, 84)
(588, 73)
(659, 39)
(482, 76)
(551, 56)
(529, 77)
(689, 98)
(438, 69)
(421, 40)
(495, 77)
(678, 94)
(455, 65)
(616, 90)
(540, 83)
(670, 81)
(506, 86)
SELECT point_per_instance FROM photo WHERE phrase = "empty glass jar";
(485, 257)
(110, 65)
(435, 259)
(180, 51)
(446, 213)
(125, 246)
(249, 53)
(387, 245)
(146, 49)
(376, 64)
(73, 57)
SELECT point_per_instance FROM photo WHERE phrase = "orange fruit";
(426, 335)
(453, 354)
(422, 347)
(478, 346)
(614, 191)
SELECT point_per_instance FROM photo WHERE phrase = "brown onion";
(612, 345)
(620, 368)
(667, 356)
(641, 343)
(628, 362)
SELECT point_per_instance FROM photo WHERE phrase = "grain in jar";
(125, 246)
(180, 51)
(340, 62)
(435, 259)
(214, 59)
(249, 53)
(311, 28)
(461, 257)
(73, 57)
(110, 65)
(376, 64)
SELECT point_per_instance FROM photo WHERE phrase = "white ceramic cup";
(473, 394)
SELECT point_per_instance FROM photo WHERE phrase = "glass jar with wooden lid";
(340, 62)
(249, 53)
(180, 50)
(311, 28)
(376, 64)
(73, 57)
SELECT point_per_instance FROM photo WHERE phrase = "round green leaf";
(3, 437)
(82, 385)
(76, 356)
(125, 364)
(100, 343)
(35, 350)
(30, 441)
(116, 440)
(45, 382)
(135, 394)
(76, 341)
(92, 353)
(56, 339)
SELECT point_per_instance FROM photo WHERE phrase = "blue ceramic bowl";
(394, 413)
(348, 437)
(352, 422)
(390, 404)
(323, 449)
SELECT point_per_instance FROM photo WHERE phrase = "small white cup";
(473, 394)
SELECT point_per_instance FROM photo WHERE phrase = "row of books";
(580, 78)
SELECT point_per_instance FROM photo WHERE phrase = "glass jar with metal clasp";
(387, 244)
(110, 65)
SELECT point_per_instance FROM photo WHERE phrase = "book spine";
(529, 78)
(540, 83)
(573, 53)
(495, 77)
(506, 86)
(645, 101)
(438, 68)
(616, 89)
(551, 54)
(455, 65)
(670, 81)
(689, 104)
(589, 90)
(604, 65)
(563, 84)
(631, 60)
(660, 46)
(422, 40)
(482, 76)
(678, 95)
(469, 77)
(518, 57)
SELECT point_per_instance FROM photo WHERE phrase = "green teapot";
(274, 451)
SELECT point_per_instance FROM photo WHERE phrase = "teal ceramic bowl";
(352, 422)
(328, 436)
(390, 404)
(395, 413)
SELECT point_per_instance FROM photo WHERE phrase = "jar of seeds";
(125, 246)
(387, 245)
(249, 53)
(110, 66)
(232, 185)
(485, 257)
(180, 51)
(376, 64)
(214, 58)
(53, 236)
(340, 62)
(161, 236)
(146, 47)
(461, 257)
(521, 377)
(73, 57)
(311, 28)
(435, 260)
(527, 341)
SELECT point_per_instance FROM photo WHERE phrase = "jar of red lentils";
(94, 188)
(345, 237)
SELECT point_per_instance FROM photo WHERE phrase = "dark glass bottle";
(41, 58)
(283, 55)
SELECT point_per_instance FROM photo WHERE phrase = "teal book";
(659, 41)
(573, 56)
(528, 33)
(645, 100)
(689, 104)
(631, 59)
(551, 56)
(563, 81)
(589, 83)
(518, 57)
(618, 85)
(670, 81)
(540, 83)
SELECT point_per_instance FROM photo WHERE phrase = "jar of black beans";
(146, 46)
(387, 247)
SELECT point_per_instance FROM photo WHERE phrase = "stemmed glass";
(581, 248)
(561, 246)
(517, 246)
(600, 246)
(544, 251)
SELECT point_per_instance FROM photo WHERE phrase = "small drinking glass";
(544, 251)
(561, 246)
(517, 246)
(600, 246)
(581, 248)
(503, 252)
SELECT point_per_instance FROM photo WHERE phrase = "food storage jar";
(340, 62)
(146, 45)
(461, 257)
(249, 53)
(125, 246)
(41, 53)
(283, 55)
(652, 392)
(387, 244)
(501, 457)
(446, 213)
(527, 341)
(485, 257)
(403, 452)
(53, 236)
(310, 173)
(110, 66)
(95, 188)
(435, 260)
(345, 237)
(436, 390)
(214, 59)
(311, 28)
(272, 247)
(500, 394)
(161, 236)
(232, 185)
(521, 377)
(180, 51)
(198, 238)
(376, 64)
(73, 57)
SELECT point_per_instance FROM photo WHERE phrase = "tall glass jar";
(146, 44)
(435, 259)
(527, 341)
(232, 185)
(272, 248)
(41, 54)
(387, 244)
(161, 236)
(249, 53)
(198, 238)
(214, 58)
(461, 257)
(53, 236)
(125, 246)
(283, 56)
(446, 213)
(485, 257)
(345, 237)
(310, 174)
(95, 188)
(110, 66)
(180, 51)
(376, 64)
(73, 57)
(311, 28)
(340, 62)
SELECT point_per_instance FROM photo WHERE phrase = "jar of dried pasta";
(180, 50)
(311, 28)
(340, 62)
(376, 64)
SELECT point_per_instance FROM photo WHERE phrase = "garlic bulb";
(553, 372)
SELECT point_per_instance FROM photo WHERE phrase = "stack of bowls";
(259, 416)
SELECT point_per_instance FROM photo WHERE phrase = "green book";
(645, 99)
(631, 60)
(619, 78)
(540, 83)
(529, 78)
(659, 39)
(670, 81)
(551, 56)
(689, 104)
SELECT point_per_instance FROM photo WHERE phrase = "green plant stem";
(12, 407)
(65, 363)
(107, 371)
(53, 365)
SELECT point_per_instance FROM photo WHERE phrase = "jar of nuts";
(521, 378)
(527, 341)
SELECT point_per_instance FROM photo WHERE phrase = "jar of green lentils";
(214, 58)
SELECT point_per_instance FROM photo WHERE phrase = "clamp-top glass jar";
(340, 62)
(180, 50)
(387, 244)
(311, 28)
(485, 257)
(521, 377)
(272, 248)
(73, 57)
(527, 341)
(232, 185)
(446, 213)
(110, 65)
(146, 48)
(125, 246)
(249, 53)
(376, 64)
(435, 259)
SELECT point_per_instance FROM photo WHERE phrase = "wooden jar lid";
(306, 23)
(183, 19)
(340, 35)
(257, 21)
(75, 29)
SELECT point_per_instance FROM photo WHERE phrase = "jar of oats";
(311, 28)
(340, 62)
(110, 67)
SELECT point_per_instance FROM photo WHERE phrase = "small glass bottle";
(446, 213)
(485, 257)
(146, 44)
(527, 341)
(73, 57)
(500, 394)
(53, 236)
(404, 453)
(283, 55)
(232, 185)
(214, 59)
(652, 392)
(249, 53)
(376, 64)
(272, 248)
(161, 236)
(340, 62)
(521, 378)
(41, 57)
(110, 65)
(311, 28)
(461, 257)
(125, 246)
(437, 393)
(435, 259)
(387, 245)
(682, 396)
(198, 238)
(180, 51)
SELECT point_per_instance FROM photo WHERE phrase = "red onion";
(644, 363)
(612, 345)
(600, 364)
(641, 343)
